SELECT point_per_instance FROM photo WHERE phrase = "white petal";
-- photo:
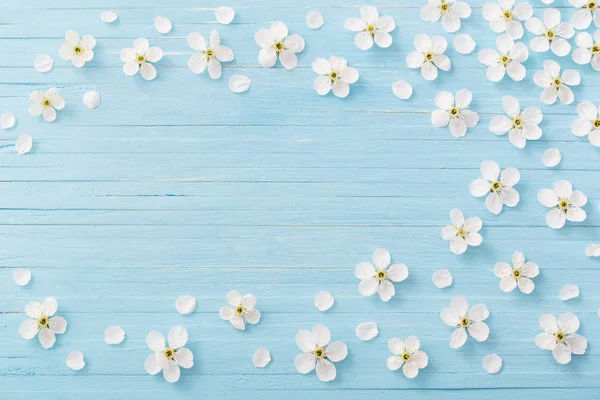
(508, 284)
(548, 323)
(368, 287)
(561, 354)
(463, 43)
(440, 118)
(75, 360)
(114, 334)
(354, 24)
(458, 128)
(397, 272)
(288, 59)
(108, 16)
(555, 218)
(23, 144)
(321, 334)
(479, 187)
(568, 292)
(43, 63)
(7, 120)
(172, 373)
(314, 20)
(305, 340)
(490, 170)
(463, 98)
(545, 341)
(479, 331)
(337, 351)
(394, 363)
(323, 300)
(239, 83)
(155, 341)
(593, 250)
(148, 71)
(444, 100)
(499, 125)
(458, 338)
(402, 89)
(224, 15)
(479, 312)
(386, 290)
(551, 157)
(185, 304)
(381, 258)
(162, 25)
(252, 316)
(28, 329)
(305, 362)
(367, 331)
(442, 278)
(363, 40)
(46, 338)
(526, 285)
(492, 363)
(325, 370)
(410, 370)
(91, 99)
(364, 271)
(261, 358)
(460, 305)
(577, 344)
(21, 276)
(547, 197)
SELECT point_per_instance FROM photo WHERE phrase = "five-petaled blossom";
(520, 274)
(42, 322)
(335, 76)
(556, 85)
(454, 112)
(565, 203)
(76, 50)
(588, 50)
(242, 310)
(498, 186)
(429, 55)
(406, 356)
(507, 60)
(560, 337)
(46, 104)
(521, 126)
(371, 28)
(505, 16)
(168, 359)
(275, 42)
(378, 276)
(590, 10)
(464, 319)
(463, 232)
(210, 55)
(588, 122)
(319, 353)
(551, 34)
(450, 11)
(140, 58)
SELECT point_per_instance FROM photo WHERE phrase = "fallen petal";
(551, 157)
(7, 120)
(24, 143)
(162, 25)
(75, 360)
(463, 43)
(43, 63)
(442, 278)
(323, 301)
(185, 304)
(22, 276)
(593, 250)
(261, 358)
(367, 331)
(224, 15)
(91, 99)
(108, 16)
(114, 334)
(568, 292)
(492, 363)
(402, 89)
(239, 83)
(314, 20)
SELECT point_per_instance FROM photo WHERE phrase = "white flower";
(43, 323)
(371, 28)
(555, 84)
(336, 76)
(377, 277)
(276, 42)
(560, 337)
(139, 58)
(317, 353)
(504, 16)
(168, 359)
(508, 60)
(462, 317)
(498, 187)
(78, 51)
(565, 204)
(454, 112)
(429, 54)
(588, 122)
(521, 126)
(463, 232)
(588, 50)
(552, 34)
(583, 18)
(519, 274)
(242, 310)
(406, 355)
(46, 104)
(450, 11)
(210, 55)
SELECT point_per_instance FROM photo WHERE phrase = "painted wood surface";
(178, 186)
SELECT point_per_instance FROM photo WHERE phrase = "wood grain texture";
(178, 186)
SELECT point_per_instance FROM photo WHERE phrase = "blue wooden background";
(179, 186)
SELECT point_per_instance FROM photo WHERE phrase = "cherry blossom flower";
(406, 356)
(590, 10)
(454, 112)
(371, 27)
(556, 85)
(507, 60)
(520, 274)
(46, 104)
(76, 50)
(559, 336)
(242, 310)
(521, 126)
(588, 122)
(140, 58)
(463, 232)
(377, 277)
(450, 11)
(43, 323)
(168, 359)
(551, 34)
(429, 55)
(588, 50)
(210, 54)
(319, 353)
(504, 16)
(565, 203)
(275, 42)
(335, 76)
(464, 319)
(497, 186)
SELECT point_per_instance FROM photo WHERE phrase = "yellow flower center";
(464, 322)
(170, 353)
(454, 112)
(596, 123)
(429, 56)
(47, 103)
(44, 322)
(406, 356)
(556, 82)
(560, 336)
(517, 123)
(239, 310)
(461, 232)
(77, 50)
(496, 186)
(381, 275)
(549, 35)
(595, 49)
(371, 29)
(563, 204)
(516, 273)
(333, 76)
(444, 6)
(140, 58)
(278, 46)
(209, 53)
(507, 15)
(504, 59)
(592, 5)
(320, 353)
